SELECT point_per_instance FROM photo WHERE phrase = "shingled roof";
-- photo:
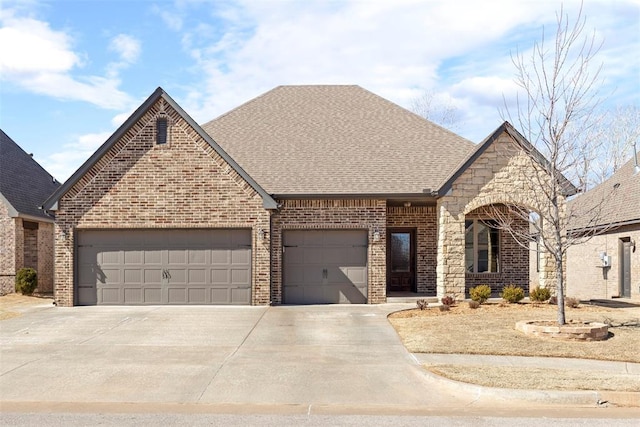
(24, 184)
(324, 140)
(614, 202)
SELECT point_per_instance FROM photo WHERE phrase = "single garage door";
(325, 266)
(123, 267)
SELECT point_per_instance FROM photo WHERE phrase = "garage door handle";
(165, 274)
(325, 273)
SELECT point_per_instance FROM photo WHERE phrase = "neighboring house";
(608, 265)
(305, 194)
(26, 231)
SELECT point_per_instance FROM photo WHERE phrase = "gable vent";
(161, 131)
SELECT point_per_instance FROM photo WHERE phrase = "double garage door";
(123, 267)
(325, 266)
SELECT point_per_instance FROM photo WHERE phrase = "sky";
(71, 72)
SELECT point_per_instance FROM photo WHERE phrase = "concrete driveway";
(348, 356)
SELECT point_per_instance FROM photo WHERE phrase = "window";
(161, 131)
(482, 246)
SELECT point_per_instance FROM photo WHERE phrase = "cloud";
(41, 60)
(31, 46)
(127, 47)
(72, 155)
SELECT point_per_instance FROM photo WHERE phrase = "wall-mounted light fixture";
(376, 235)
(263, 234)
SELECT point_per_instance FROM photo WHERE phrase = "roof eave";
(342, 196)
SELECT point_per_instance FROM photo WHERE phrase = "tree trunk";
(560, 290)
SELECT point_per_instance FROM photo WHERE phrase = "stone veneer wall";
(327, 215)
(181, 184)
(423, 219)
(7, 251)
(501, 174)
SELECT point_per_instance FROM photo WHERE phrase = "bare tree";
(618, 130)
(437, 110)
(560, 82)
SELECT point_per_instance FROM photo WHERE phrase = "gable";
(183, 181)
(159, 103)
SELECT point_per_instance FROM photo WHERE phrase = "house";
(305, 194)
(26, 231)
(607, 265)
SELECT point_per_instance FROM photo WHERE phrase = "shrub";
(448, 300)
(539, 294)
(480, 293)
(512, 294)
(571, 302)
(422, 304)
(474, 304)
(444, 307)
(26, 281)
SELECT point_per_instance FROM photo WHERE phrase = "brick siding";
(140, 185)
(7, 251)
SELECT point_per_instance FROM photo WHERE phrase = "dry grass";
(490, 329)
(12, 305)
(538, 378)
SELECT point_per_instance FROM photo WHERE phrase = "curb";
(547, 397)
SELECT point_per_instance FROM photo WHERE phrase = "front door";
(401, 260)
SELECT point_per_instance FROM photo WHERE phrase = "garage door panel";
(152, 295)
(313, 255)
(133, 257)
(220, 276)
(133, 276)
(355, 256)
(240, 277)
(111, 257)
(109, 295)
(152, 275)
(197, 276)
(177, 256)
(240, 296)
(152, 257)
(164, 267)
(240, 257)
(133, 296)
(197, 295)
(220, 257)
(325, 266)
(177, 295)
(178, 276)
(198, 256)
(334, 256)
(109, 276)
